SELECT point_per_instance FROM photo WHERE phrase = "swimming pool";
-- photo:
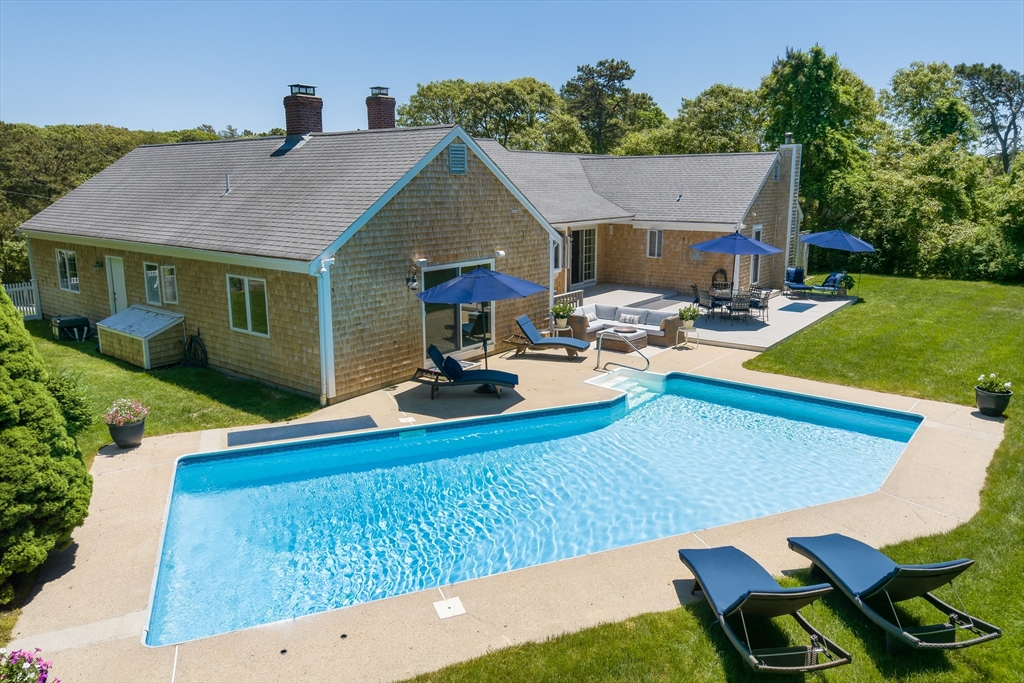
(261, 534)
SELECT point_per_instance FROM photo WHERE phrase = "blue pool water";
(263, 534)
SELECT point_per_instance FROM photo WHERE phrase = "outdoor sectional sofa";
(660, 326)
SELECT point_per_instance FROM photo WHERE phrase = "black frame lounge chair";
(874, 583)
(452, 371)
(531, 338)
(737, 587)
(794, 281)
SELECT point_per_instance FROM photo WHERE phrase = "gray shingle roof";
(716, 188)
(554, 183)
(291, 206)
(565, 188)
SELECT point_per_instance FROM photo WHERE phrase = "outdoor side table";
(686, 334)
(557, 331)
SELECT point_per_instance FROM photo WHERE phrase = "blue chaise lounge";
(831, 285)
(794, 281)
(453, 371)
(532, 339)
(875, 584)
(742, 594)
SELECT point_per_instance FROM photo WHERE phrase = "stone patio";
(89, 610)
(786, 316)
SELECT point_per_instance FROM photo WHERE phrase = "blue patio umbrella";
(838, 239)
(477, 287)
(736, 244)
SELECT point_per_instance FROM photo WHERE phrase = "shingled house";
(296, 259)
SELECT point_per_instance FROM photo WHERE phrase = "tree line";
(927, 169)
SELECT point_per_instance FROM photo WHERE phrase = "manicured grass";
(924, 338)
(181, 399)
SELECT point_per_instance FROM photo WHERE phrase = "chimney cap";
(299, 89)
(378, 91)
(789, 138)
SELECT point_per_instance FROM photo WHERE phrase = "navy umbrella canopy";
(736, 244)
(479, 286)
(837, 239)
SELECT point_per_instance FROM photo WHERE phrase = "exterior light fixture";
(326, 262)
(499, 253)
(97, 265)
(412, 279)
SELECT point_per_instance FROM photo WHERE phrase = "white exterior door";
(115, 284)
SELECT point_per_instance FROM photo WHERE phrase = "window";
(152, 274)
(556, 255)
(454, 328)
(247, 303)
(457, 159)
(169, 281)
(654, 239)
(67, 270)
(755, 260)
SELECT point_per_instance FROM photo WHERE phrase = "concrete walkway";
(89, 610)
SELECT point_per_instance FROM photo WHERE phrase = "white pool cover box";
(143, 336)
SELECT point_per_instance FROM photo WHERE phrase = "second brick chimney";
(380, 108)
(303, 110)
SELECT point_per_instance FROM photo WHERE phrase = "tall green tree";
(501, 110)
(723, 118)
(996, 96)
(44, 486)
(833, 113)
(598, 97)
(924, 102)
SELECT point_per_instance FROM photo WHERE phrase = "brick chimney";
(380, 108)
(303, 110)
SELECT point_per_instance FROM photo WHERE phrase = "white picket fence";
(25, 296)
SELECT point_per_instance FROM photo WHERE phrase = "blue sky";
(162, 66)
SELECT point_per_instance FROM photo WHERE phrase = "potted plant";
(562, 310)
(992, 394)
(126, 420)
(688, 315)
(846, 284)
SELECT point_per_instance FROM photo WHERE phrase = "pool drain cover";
(452, 607)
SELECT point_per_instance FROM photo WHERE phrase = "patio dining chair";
(696, 294)
(739, 307)
(759, 302)
(720, 281)
(705, 302)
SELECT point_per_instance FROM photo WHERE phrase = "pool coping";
(380, 434)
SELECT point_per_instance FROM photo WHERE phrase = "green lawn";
(924, 338)
(181, 399)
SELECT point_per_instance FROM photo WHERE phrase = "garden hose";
(195, 351)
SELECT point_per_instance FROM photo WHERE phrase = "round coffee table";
(624, 329)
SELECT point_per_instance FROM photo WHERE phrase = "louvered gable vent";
(457, 159)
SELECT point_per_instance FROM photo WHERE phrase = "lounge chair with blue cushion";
(794, 281)
(531, 338)
(875, 584)
(453, 371)
(831, 284)
(742, 594)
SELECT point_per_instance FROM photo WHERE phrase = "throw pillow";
(591, 318)
(629, 319)
(452, 368)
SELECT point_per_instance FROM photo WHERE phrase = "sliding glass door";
(455, 328)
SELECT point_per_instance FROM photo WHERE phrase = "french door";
(583, 264)
(455, 329)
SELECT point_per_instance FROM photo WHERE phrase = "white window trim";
(659, 235)
(556, 256)
(757, 232)
(248, 308)
(57, 253)
(162, 287)
(145, 283)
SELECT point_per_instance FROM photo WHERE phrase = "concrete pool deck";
(90, 607)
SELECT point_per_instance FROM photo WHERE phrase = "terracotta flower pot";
(991, 404)
(128, 435)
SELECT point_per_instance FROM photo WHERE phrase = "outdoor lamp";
(499, 253)
(97, 265)
(412, 280)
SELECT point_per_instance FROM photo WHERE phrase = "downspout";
(326, 320)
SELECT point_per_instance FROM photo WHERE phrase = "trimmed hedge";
(44, 486)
